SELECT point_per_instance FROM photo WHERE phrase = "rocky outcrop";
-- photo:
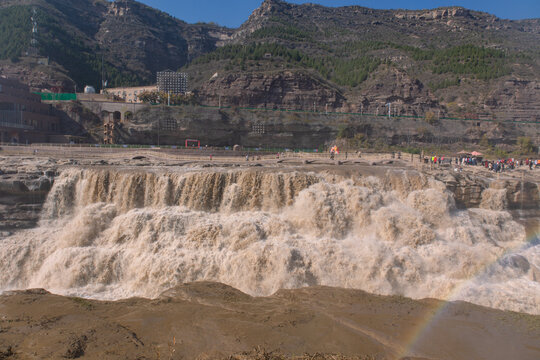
(435, 14)
(293, 90)
(22, 194)
(517, 99)
(260, 17)
(407, 95)
(508, 194)
(38, 77)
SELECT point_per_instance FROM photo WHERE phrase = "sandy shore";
(214, 321)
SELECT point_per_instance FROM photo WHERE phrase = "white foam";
(111, 235)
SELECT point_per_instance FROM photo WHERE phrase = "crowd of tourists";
(499, 165)
(510, 164)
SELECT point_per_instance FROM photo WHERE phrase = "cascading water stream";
(113, 234)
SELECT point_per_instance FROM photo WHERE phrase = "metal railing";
(15, 125)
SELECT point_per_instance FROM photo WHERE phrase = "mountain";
(130, 40)
(453, 61)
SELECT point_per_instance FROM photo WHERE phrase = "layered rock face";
(231, 125)
(22, 193)
(497, 194)
(516, 99)
(283, 90)
(436, 14)
(408, 96)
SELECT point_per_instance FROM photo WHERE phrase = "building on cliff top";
(23, 117)
(167, 81)
(130, 94)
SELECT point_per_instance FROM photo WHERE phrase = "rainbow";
(434, 314)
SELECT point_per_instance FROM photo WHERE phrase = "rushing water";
(111, 234)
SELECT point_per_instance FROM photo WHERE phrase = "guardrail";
(214, 149)
(89, 151)
(15, 125)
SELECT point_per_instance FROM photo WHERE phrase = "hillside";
(454, 61)
(131, 40)
(448, 61)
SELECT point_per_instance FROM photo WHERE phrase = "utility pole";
(33, 51)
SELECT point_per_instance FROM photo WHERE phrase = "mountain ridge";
(449, 59)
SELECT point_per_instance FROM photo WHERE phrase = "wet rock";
(517, 262)
(12, 186)
(6, 352)
(50, 173)
(41, 184)
(27, 292)
(76, 347)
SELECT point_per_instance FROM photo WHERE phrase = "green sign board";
(57, 96)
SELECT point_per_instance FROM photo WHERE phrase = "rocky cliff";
(23, 189)
(310, 130)
(281, 90)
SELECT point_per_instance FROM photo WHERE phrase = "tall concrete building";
(23, 117)
(172, 81)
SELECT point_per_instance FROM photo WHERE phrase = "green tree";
(525, 145)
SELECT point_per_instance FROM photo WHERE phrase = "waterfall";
(111, 234)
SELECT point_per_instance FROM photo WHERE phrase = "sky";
(232, 13)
